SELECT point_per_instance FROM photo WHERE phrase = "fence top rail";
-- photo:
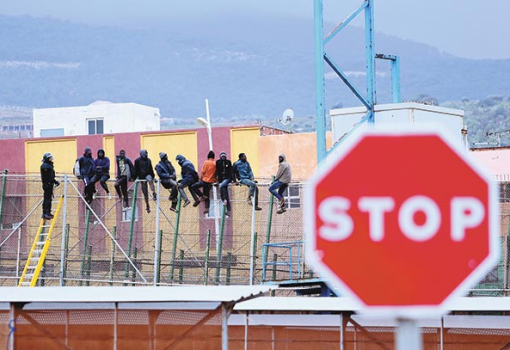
(283, 244)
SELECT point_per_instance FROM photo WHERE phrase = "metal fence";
(102, 244)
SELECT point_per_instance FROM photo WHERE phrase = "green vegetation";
(488, 120)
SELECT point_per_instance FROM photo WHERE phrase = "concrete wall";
(300, 149)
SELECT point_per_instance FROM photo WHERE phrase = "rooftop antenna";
(287, 117)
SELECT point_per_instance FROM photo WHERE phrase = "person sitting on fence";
(145, 171)
(168, 177)
(281, 182)
(207, 179)
(102, 171)
(86, 173)
(189, 177)
(225, 176)
(244, 174)
(125, 173)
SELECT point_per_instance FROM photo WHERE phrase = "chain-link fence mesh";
(107, 244)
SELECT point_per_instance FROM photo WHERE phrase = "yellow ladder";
(38, 252)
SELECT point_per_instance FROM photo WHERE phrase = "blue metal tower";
(321, 56)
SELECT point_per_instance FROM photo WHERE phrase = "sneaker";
(206, 211)
(258, 208)
(281, 201)
(109, 196)
(281, 210)
(224, 202)
(196, 204)
(173, 209)
(148, 209)
(154, 196)
(186, 203)
(47, 216)
(228, 213)
(126, 204)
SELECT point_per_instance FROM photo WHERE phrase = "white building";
(100, 117)
(411, 113)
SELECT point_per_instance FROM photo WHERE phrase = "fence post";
(85, 239)
(131, 228)
(112, 257)
(2, 198)
(176, 235)
(269, 222)
(206, 258)
(181, 266)
(65, 253)
(219, 244)
(157, 271)
(88, 267)
(65, 236)
(229, 267)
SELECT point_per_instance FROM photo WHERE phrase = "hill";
(249, 69)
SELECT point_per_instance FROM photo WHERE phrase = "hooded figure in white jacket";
(281, 181)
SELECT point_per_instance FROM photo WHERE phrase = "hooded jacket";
(224, 169)
(102, 163)
(86, 164)
(187, 168)
(143, 166)
(284, 173)
(166, 170)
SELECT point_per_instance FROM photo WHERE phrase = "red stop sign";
(401, 220)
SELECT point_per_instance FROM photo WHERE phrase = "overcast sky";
(465, 28)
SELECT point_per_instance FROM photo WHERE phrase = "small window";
(292, 195)
(95, 126)
(52, 132)
(127, 212)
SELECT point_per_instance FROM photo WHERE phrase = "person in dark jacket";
(224, 175)
(189, 177)
(86, 173)
(145, 171)
(48, 181)
(102, 171)
(125, 173)
(168, 177)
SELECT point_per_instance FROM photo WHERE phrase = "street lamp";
(207, 124)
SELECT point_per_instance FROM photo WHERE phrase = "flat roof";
(181, 293)
(346, 304)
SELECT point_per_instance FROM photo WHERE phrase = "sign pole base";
(408, 335)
